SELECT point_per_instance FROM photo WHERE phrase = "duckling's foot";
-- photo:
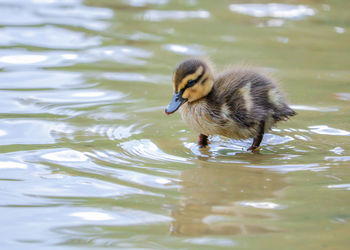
(254, 149)
(203, 141)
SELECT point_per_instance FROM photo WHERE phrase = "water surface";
(88, 158)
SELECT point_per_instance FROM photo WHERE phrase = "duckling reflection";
(227, 200)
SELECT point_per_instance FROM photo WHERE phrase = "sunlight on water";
(311, 108)
(186, 50)
(131, 217)
(340, 186)
(89, 94)
(23, 59)
(337, 150)
(337, 158)
(92, 216)
(208, 241)
(343, 96)
(157, 15)
(66, 156)
(325, 130)
(47, 37)
(10, 164)
(292, 168)
(273, 10)
(3, 132)
(262, 205)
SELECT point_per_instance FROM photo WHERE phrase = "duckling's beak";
(175, 103)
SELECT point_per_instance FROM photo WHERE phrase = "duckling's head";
(192, 80)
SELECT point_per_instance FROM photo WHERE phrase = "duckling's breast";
(209, 120)
(197, 116)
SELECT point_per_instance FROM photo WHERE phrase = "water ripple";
(74, 159)
(92, 216)
(41, 79)
(149, 180)
(276, 10)
(135, 77)
(63, 185)
(92, 96)
(145, 148)
(71, 13)
(337, 150)
(161, 15)
(124, 54)
(59, 102)
(46, 37)
(212, 241)
(191, 50)
(261, 204)
(141, 3)
(120, 216)
(66, 155)
(120, 54)
(15, 58)
(313, 108)
(28, 131)
(115, 132)
(220, 146)
(337, 158)
(291, 167)
(325, 130)
(12, 165)
(340, 186)
(343, 96)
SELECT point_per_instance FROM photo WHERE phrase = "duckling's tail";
(283, 113)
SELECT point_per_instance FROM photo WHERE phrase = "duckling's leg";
(255, 147)
(203, 141)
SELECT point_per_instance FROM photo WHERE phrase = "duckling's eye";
(190, 83)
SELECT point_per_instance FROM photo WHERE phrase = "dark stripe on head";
(193, 82)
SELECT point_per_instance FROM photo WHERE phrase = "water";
(90, 161)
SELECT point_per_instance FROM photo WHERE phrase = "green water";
(89, 160)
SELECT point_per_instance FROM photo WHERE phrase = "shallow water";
(89, 159)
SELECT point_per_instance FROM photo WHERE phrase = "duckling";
(238, 103)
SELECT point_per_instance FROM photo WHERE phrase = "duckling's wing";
(249, 97)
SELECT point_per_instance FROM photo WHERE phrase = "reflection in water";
(227, 199)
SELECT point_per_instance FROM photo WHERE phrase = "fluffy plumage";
(238, 103)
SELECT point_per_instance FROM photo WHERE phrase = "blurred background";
(89, 160)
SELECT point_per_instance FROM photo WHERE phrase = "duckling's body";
(239, 103)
